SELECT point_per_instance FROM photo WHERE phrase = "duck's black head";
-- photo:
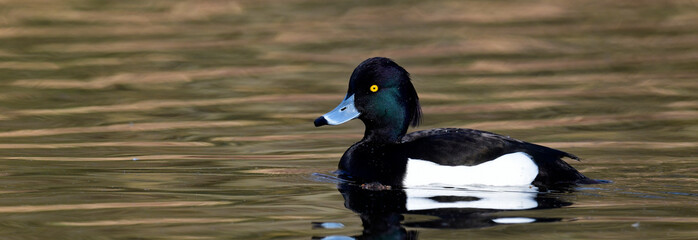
(382, 96)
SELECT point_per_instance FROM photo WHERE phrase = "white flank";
(421, 199)
(514, 169)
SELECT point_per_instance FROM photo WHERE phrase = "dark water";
(193, 119)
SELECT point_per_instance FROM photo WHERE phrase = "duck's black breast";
(367, 162)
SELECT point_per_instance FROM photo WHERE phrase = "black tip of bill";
(320, 121)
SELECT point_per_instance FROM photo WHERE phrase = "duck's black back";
(469, 147)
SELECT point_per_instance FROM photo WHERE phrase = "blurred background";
(193, 119)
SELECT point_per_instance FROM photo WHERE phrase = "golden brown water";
(193, 119)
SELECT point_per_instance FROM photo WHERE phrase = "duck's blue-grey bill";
(341, 114)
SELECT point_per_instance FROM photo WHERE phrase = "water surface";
(193, 119)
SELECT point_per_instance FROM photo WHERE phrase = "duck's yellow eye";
(374, 88)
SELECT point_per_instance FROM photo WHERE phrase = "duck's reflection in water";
(382, 212)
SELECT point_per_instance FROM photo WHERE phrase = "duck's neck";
(385, 132)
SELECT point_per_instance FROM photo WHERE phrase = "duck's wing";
(469, 147)
(458, 147)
